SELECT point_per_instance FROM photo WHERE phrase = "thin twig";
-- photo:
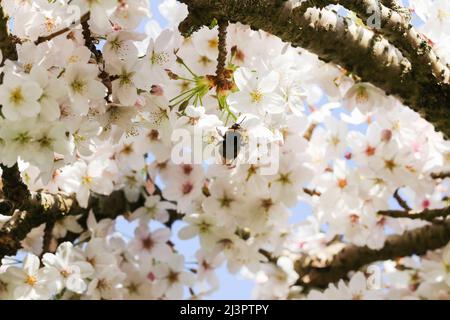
(428, 215)
(312, 192)
(440, 175)
(222, 56)
(49, 37)
(402, 203)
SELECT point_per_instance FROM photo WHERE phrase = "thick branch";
(415, 242)
(395, 5)
(15, 190)
(47, 208)
(7, 45)
(333, 39)
(398, 30)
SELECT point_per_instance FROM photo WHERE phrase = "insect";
(232, 141)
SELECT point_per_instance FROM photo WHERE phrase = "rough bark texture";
(42, 207)
(417, 241)
(399, 31)
(7, 45)
(335, 39)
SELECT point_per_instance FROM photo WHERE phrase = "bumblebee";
(232, 142)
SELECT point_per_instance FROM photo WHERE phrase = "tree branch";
(401, 202)
(428, 215)
(414, 242)
(334, 39)
(222, 56)
(7, 45)
(440, 175)
(15, 191)
(398, 30)
(48, 208)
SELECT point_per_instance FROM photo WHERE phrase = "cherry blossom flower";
(71, 272)
(151, 244)
(19, 97)
(32, 282)
(83, 86)
(172, 277)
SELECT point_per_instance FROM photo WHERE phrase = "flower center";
(256, 96)
(147, 243)
(125, 78)
(78, 86)
(31, 280)
(16, 96)
(86, 180)
(213, 43)
(225, 201)
(187, 188)
(172, 276)
(390, 164)
(159, 58)
(370, 151)
(342, 183)
(361, 95)
(65, 273)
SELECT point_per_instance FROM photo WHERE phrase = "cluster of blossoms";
(90, 113)
(102, 265)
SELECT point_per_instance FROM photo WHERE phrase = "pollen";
(266, 204)
(31, 280)
(342, 183)
(370, 151)
(50, 24)
(73, 59)
(284, 178)
(204, 227)
(131, 181)
(115, 44)
(125, 79)
(86, 180)
(225, 201)
(204, 60)
(256, 96)
(16, 96)
(213, 43)
(335, 140)
(78, 86)
(159, 58)
(172, 277)
(443, 15)
(361, 95)
(390, 164)
(127, 149)
(65, 273)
